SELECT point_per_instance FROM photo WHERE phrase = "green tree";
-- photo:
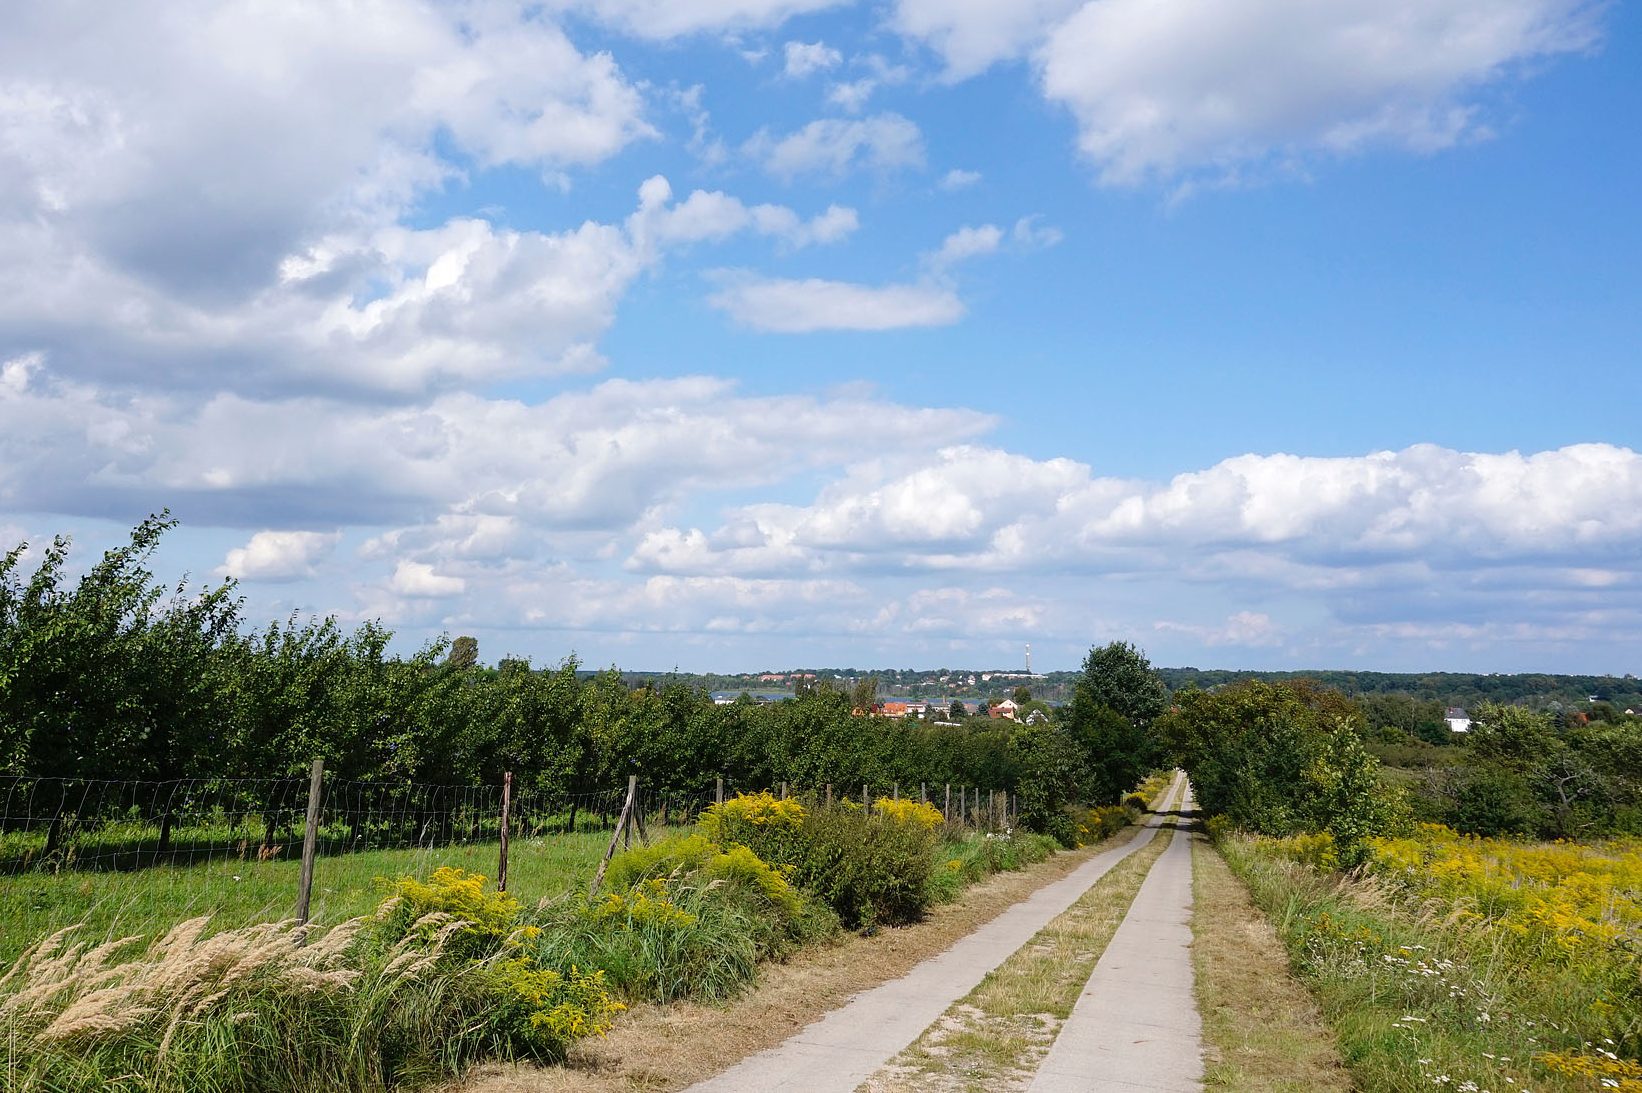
(464, 653)
(1114, 702)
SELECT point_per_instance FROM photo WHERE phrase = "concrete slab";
(838, 1052)
(1136, 1025)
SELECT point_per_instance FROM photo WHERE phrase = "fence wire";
(96, 825)
(57, 824)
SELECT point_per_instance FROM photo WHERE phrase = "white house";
(1457, 719)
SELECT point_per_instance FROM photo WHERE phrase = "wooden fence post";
(829, 794)
(718, 792)
(947, 811)
(621, 824)
(895, 791)
(783, 791)
(507, 804)
(923, 794)
(866, 802)
(310, 838)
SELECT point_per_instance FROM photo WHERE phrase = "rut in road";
(836, 1053)
(1136, 1026)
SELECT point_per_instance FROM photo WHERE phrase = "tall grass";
(1423, 993)
(241, 1010)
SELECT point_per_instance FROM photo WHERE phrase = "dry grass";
(997, 1036)
(1261, 1030)
(658, 1048)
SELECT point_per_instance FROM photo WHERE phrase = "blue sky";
(741, 334)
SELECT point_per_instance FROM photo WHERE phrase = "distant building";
(1458, 720)
(1007, 709)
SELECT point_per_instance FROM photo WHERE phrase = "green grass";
(1416, 1001)
(145, 903)
(965, 858)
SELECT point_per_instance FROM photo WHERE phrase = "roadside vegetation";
(1439, 957)
(445, 972)
(1262, 1033)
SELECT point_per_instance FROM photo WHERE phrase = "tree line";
(117, 675)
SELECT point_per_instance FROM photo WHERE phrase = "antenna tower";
(1028, 658)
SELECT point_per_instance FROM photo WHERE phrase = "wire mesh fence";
(62, 824)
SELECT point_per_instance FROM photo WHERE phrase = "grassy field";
(147, 902)
(1475, 964)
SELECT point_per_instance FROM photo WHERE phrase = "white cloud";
(395, 310)
(807, 58)
(966, 242)
(597, 459)
(1169, 88)
(792, 306)
(1243, 629)
(279, 555)
(662, 19)
(15, 373)
(852, 96)
(713, 215)
(959, 179)
(837, 146)
(1026, 233)
(798, 307)
(418, 580)
(1161, 88)
(976, 508)
(200, 161)
(972, 35)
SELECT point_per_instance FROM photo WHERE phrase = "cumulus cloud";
(596, 459)
(419, 580)
(200, 161)
(837, 146)
(959, 179)
(807, 58)
(279, 555)
(983, 509)
(1162, 88)
(1169, 88)
(972, 35)
(395, 310)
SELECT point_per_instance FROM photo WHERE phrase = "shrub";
(766, 823)
(425, 908)
(904, 811)
(871, 871)
(657, 942)
(1316, 850)
(1086, 826)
